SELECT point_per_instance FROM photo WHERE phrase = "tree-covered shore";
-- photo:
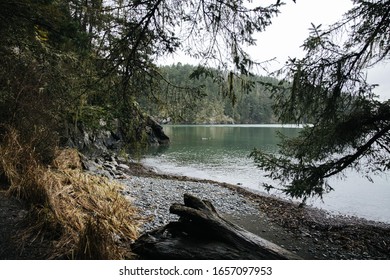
(75, 73)
(209, 105)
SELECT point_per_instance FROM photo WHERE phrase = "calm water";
(220, 153)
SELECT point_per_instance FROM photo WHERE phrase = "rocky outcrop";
(108, 137)
(155, 132)
(95, 141)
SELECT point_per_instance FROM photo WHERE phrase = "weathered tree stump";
(201, 233)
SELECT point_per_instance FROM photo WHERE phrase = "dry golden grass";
(88, 214)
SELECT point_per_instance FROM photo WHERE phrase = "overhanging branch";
(346, 161)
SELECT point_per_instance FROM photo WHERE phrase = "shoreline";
(145, 171)
(309, 232)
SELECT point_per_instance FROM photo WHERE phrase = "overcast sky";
(288, 31)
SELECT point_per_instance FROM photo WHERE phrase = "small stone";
(123, 166)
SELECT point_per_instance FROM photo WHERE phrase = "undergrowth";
(85, 215)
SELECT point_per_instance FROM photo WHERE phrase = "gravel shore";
(154, 196)
(308, 232)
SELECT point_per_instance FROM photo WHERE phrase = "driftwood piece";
(201, 233)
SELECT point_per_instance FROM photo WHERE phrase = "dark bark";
(201, 233)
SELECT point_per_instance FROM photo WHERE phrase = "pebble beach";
(153, 197)
(310, 233)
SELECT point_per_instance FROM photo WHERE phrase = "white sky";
(289, 30)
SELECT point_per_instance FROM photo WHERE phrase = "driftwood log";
(201, 233)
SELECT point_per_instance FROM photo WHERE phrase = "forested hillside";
(73, 74)
(202, 100)
(67, 66)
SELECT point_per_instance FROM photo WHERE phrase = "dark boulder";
(155, 132)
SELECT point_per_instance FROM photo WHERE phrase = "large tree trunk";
(201, 233)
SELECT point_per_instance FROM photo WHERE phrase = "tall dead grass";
(85, 214)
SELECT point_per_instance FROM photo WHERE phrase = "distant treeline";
(201, 100)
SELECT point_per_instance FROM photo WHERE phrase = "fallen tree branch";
(201, 233)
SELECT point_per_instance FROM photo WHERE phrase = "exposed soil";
(311, 233)
(13, 224)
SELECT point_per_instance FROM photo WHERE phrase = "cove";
(220, 153)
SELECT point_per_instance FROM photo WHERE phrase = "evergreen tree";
(328, 86)
(76, 61)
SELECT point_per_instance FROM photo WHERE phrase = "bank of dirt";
(13, 223)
